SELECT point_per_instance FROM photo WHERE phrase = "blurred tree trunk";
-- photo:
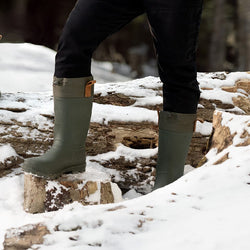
(45, 20)
(12, 14)
(244, 34)
(217, 52)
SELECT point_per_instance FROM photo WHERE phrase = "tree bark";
(217, 51)
(244, 34)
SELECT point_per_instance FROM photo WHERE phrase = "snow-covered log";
(124, 113)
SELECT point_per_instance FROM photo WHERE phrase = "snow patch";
(205, 128)
(6, 152)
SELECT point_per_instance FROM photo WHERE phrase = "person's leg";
(174, 25)
(89, 23)
(0, 39)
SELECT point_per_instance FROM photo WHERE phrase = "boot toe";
(35, 166)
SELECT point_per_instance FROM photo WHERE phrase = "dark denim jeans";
(174, 26)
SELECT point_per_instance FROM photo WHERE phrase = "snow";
(6, 152)
(34, 68)
(123, 151)
(188, 168)
(236, 126)
(202, 210)
(116, 193)
(208, 208)
(219, 94)
(106, 113)
(205, 128)
(136, 88)
(210, 80)
(131, 194)
(94, 169)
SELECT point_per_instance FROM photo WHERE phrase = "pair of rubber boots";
(73, 99)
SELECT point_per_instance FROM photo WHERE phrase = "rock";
(245, 135)
(244, 84)
(41, 195)
(229, 88)
(223, 137)
(202, 161)
(104, 138)
(34, 194)
(142, 142)
(197, 149)
(25, 143)
(219, 104)
(220, 76)
(205, 88)
(24, 237)
(243, 103)
(135, 174)
(222, 159)
(210, 105)
(10, 162)
(114, 99)
(8, 159)
(240, 84)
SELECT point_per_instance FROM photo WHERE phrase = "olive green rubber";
(175, 134)
(72, 119)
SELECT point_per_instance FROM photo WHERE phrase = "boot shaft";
(72, 110)
(175, 134)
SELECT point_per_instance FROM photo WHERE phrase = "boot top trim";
(177, 122)
(73, 87)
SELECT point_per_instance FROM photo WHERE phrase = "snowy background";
(208, 208)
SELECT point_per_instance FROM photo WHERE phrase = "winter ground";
(208, 208)
(33, 68)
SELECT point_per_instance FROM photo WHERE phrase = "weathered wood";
(243, 103)
(24, 237)
(42, 195)
(223, 137)
(244, 84)
(34, 194)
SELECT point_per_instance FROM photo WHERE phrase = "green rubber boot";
(175, 134)
(73, 106)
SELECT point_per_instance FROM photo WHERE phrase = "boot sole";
(70, 170)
